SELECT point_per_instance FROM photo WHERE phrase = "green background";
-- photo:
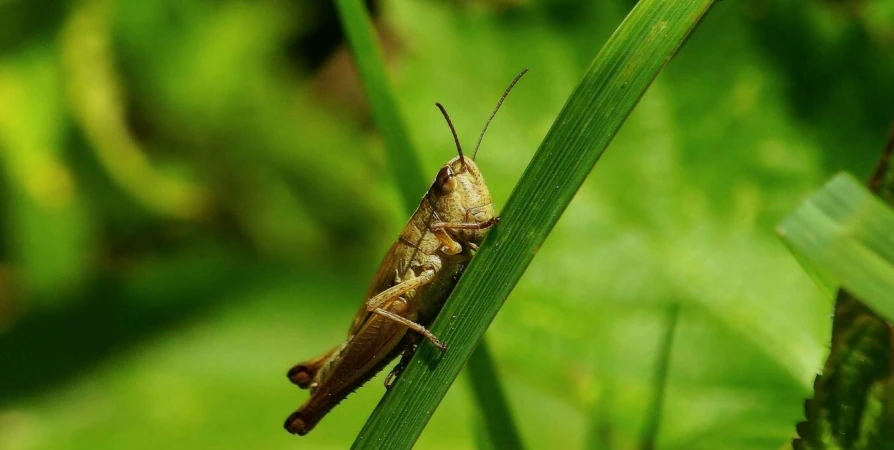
(194, 196)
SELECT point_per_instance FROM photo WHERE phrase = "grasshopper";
(409, 289)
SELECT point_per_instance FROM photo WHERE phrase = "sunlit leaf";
(845, 232)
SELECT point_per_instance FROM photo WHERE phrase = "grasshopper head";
(462, 179)
(460, 195)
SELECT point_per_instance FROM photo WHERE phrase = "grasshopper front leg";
(374, 305)
(413, 326)
(465, 225)
(450, 245)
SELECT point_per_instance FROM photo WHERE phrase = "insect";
(410, 286)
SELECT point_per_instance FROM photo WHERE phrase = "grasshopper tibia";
(413, 326)
(393, 296)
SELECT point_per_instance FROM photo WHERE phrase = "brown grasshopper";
(409, 289)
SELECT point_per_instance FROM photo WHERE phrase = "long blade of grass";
(403, 161)
(408, 172)
(488, 390)
(846, 233)
(618, 77)
(600, 430)
(659, 381)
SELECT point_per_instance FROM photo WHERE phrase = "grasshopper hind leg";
(296, 424)
(303, 374)
(412, 326)
(394, 296)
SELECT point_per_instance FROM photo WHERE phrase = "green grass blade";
(659, 382)
(404, 162)
(844, 232)
(601, 430)
(491, 400)
(618, 77)
(408, 173)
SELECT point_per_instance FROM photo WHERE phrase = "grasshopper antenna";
(459, 148)
(497, 108)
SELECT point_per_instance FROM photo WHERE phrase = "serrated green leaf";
(849, 408)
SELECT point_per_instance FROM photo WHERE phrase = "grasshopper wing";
(373, 345)
(373, 341)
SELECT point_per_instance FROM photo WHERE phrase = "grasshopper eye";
(445, 182)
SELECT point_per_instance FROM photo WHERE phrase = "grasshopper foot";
(441, 346)
(392, 376)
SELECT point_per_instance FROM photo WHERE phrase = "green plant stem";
(408, 173)
(491, 400)
(600, 431)
(659, 381)
(614, 83)
(368, 56)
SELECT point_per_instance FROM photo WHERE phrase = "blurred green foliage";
(192, 198)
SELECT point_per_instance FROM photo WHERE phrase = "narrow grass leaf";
(490, 397)
(659, 381)
(601, 429)
(368, 56)
(614, 83)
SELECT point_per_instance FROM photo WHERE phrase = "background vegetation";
(193, 198)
